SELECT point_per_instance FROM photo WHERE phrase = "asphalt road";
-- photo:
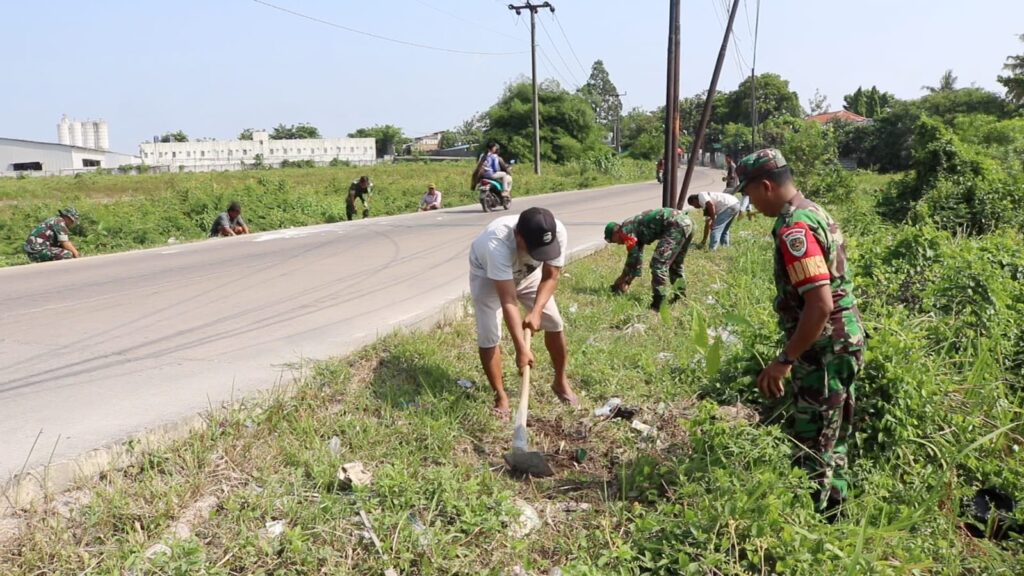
(97, 349)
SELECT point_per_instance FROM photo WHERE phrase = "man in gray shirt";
(229, 223)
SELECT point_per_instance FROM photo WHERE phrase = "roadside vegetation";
(122, 213)
(711, 491)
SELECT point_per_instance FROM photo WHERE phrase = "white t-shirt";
(494, 254)
(721, 200)
(429, 198)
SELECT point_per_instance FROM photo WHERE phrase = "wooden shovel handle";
(524, 392)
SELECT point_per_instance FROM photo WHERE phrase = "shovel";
(520, 458)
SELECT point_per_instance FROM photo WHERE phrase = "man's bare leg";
(559, 351)
(491, 360)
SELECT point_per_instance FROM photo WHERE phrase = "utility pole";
(617, 135)
(753, 83)
(533, 8)
(671, 162)
(698, 139)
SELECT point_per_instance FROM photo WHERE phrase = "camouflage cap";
(758, 164)
(70, 213)
(609, 229)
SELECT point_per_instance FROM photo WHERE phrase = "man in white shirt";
(431, 200)
(720, 209)
(519, 259)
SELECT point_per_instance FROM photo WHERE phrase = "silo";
(89, 134)
(76, 133)
(64, 130)
(102, 135)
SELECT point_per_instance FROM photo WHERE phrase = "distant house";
(840, 116)
(424, 144)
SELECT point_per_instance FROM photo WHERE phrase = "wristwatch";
(785, 360)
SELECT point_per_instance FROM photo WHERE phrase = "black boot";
(656, 302)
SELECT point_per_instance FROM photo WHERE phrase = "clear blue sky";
(214, 67)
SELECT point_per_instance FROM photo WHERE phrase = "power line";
(461, 19)
(384, 38)
(571, 49)
(555, 72)
(559, 54)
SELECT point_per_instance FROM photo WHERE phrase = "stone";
(527, 522)
(354, 474)
(635, 329)
(273, 529)
(157, 550)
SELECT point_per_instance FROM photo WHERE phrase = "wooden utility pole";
(671, 161)
(698, 139)
(533, 8)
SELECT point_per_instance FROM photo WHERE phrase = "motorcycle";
(490, 192)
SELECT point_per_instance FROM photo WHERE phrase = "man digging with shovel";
(518, 259)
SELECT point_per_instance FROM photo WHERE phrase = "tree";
(602, 95)
(643, 134)
(245, 134)
(735, 139)
(947, 83)
(388, 138)
(470, 132)
(1014, 82)
(295, 132)
(178, 136)
(818, 103)
(947, 104)
(868, 103)
(569, 129)
(774, 99)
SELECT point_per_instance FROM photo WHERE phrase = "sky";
(214, 67)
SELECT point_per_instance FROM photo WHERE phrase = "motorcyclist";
(495, 168)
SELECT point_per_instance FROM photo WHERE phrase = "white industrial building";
(226, 155)
(49, 159)
(87, 134)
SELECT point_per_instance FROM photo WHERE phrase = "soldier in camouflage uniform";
(358, 189)
(673, 231)
(817, 311)
(51, 239)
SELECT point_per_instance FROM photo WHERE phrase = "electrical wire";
(466, 21)
(553, 69)
(571, 49)
(558, 53)
(384, 38)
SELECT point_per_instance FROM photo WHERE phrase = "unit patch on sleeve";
(803, 256)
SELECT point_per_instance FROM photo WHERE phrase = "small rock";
(661, 409)
(354, 474)
(710, 300)
(635, 329)
(157, 550)
(608, 407)
(465, 384)
(527, 522)
(642, 428)
(273, 529)
(334, 445)
(573, 308)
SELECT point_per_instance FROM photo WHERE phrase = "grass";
(712, 493)
(121, 213)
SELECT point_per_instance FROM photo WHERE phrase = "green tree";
(774, 99)
(643, 134)
(1014, 81)
(948, 104)
(818, 104)
(568, 127)
(735, 139)
(388, 138)
(602, 95)
(245, 134)
(178, 136)
(869, 103)
(295, 132)
(947, 83)
(470, 132)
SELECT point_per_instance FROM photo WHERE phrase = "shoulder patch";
(796, 240)
(802, 256)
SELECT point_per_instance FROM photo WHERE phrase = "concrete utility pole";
(698, 139)
(753, 83)
(668, 177)
(533, 8)
(617, 134)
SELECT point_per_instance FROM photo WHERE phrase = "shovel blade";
(529, 463)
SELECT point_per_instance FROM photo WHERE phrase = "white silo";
(89, 134)
(64, 130)
(76, 133)
(102, 135)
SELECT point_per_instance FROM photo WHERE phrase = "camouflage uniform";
(43, 244)
(354, 191)
(673, 231)
(810, 252)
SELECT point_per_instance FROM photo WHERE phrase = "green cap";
(69, 212)
(758, 164)
(609, 229)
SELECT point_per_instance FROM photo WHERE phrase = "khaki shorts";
(487, 307)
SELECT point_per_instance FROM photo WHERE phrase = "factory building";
(49, 159)
(227, 155)
(87, 134)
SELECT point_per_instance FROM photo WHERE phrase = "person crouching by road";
(51, 239)
(229, 223)
(518, 260)
(431, 200)
(673, 231)
(720, 209)
(825, 338)
(358, 189)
